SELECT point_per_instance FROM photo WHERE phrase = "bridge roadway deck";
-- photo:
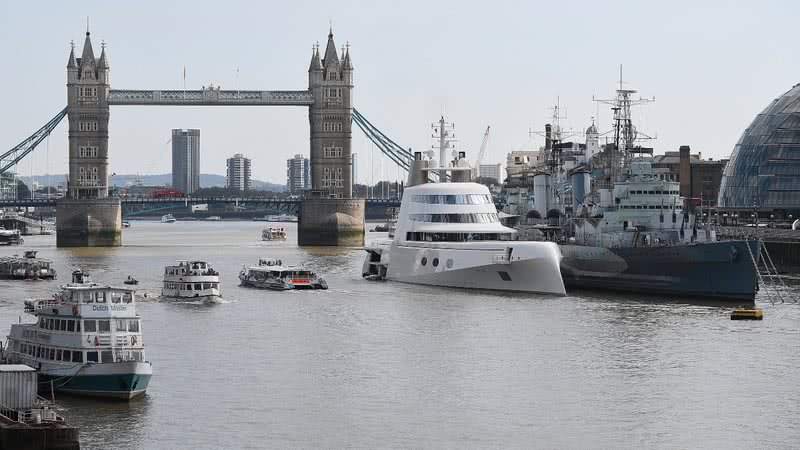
(269, 202)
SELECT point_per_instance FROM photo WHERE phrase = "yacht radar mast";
(444, 139)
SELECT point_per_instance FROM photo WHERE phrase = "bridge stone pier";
(328, 214)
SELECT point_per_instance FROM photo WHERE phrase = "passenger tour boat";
(274, 234)
(191, 280)
(272, 274)
(87, 340)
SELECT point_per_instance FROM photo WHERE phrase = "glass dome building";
(764, 170)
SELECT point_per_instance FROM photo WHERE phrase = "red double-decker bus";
(167, 193)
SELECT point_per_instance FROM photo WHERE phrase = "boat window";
(70, 325)
(78, 326)
(107, 356)
(42, 322)
(198, 287)
(62, 325)
(86, 297)
(435, 262)
(116, 297)
(50, 324)
(58, 354)
(104, 326)
(424, 261)
(468, 199)
(90, 326)
(452, 237)
(77, 356)
(456, 218)
(101, 297)
(127, 297)
(66, 355)
(51, 354)
(121, 325)
(91, 356)
(133, 326)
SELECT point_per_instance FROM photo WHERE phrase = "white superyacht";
(448, 234)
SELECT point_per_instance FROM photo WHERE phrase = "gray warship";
(627, 227)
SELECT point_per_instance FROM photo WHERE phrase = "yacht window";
(104, 326)
(70, 325)
(90, 326)
(133, 326)
(121, 325)
(77, 356)
(452, 237)
(101, 297)
(424, 261)
(435, 262)
(468, 199)
(107, 356)
(66, 355)
(58, 355)
(91, 356)
(62, 325)
(456, 218)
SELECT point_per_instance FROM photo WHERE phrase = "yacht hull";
(531, 267)
(720, 270)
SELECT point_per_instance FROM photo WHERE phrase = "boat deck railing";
(31, 416)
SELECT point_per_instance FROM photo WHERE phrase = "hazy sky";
(712, 66)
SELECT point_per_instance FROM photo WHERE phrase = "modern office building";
(492, 171)
(186, 160)
(238, 173)
(298, 174)
(764, 170)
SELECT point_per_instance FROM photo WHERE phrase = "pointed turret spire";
(347, 64)
(71, 64)
(102, 63)
(88, 53)
(330, 52)
(316, 64)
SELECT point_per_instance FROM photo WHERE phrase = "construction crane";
(482, 151)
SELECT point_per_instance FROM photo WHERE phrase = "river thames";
(384, 364)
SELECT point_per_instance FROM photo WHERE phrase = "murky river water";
(379, 364)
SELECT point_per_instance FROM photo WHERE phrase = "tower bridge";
(328, 216)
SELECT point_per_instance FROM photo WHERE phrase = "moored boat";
(10, 237)
(191, 280)
(272, 274)
(168, 218)
(448, 233)
(27, 267)
(87, 340)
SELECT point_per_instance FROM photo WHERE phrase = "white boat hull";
(531, 267)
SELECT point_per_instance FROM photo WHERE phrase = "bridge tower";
(329, 214)
(87, 216)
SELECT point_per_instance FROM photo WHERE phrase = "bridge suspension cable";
(13, 156)
(388, 147)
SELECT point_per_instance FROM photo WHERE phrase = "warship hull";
(719, 270)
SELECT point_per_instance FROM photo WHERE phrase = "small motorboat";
(131, 280)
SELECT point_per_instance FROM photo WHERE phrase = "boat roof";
(94, 286)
